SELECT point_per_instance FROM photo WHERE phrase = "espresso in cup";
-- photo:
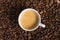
(29, 19)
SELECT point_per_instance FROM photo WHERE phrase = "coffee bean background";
(50, 16)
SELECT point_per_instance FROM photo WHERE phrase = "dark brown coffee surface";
(10, 29)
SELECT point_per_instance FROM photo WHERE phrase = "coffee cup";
(39, 24)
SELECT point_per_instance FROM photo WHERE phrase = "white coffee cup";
(39, 23)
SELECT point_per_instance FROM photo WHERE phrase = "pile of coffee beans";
(50, 16)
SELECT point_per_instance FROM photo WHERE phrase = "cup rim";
(20, 15)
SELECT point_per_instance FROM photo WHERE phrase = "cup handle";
(42, 25)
